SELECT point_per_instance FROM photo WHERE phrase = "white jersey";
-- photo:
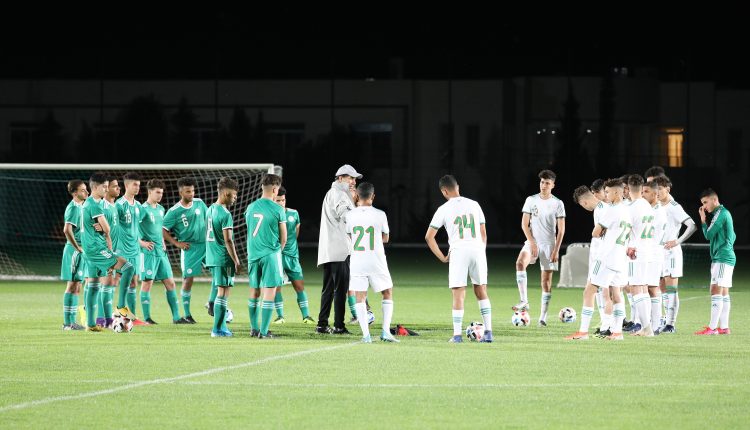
(660, 226)
(461, 218)
(643, 232)
(676, 215)
(366, 225)
(616, 219)
(596, 241)
(544, 216)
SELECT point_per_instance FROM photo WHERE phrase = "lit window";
(675, 137)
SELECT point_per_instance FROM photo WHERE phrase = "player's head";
(448, 186)
(113, 187)
(709, 200)
(155, 189)
(584, 197)
(228, 191)
(625, 188)
(597, 189)
(132, 182)
(635, 185)
(98, 184)
(281, 197)
(348, 174)
(186, 188)
(271, 184)
(652, 172)
(613, 189)
(77, 189)
(665, 186)
(366, 193)
(651, 192)
(547, 181)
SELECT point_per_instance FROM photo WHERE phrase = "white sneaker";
(521, 306)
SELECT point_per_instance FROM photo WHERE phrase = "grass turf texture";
(170, 376)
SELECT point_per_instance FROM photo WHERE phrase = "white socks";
(717, 305)
(387, 314)
(586, 315)
(724, 318)
(546, 297)
(362, 312)
(458, 321)
(486, 310)
(656, 312)
(642, 305)
(522, 290)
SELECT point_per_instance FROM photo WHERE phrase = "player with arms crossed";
(541, 214)
(466, 256)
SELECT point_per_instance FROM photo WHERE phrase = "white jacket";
(333, 243)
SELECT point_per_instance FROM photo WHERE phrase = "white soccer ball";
(475, 331)
(370, 317)
(122, 324)
(520, 319)
(567, 315)
(229, 317)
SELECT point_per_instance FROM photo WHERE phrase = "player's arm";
(68, 232)
(432, 244)
(102, 220)
(483, 232)
(386, 237)
(282, 233)
(526, 227)
(229, 244)
(598, 231)
(689, 230)
(168, 238)
(558, 239)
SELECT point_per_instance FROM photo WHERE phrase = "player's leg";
(724, 317)
(522, 262)
(186, 293)
(270, 279)
(546, 282)
(351, 300)
(223, 278)
(358, 285)
(302, 301)
(71, 271)
(478, 277)
(387, 306)
(459, 293)
(587, 311)
(253, 302)
(171, 291)
(93, 280)
(107, 296)
(126, 284)
(146, 285)
(618, 307)
(278, 305)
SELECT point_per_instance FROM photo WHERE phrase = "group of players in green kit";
(112, 242)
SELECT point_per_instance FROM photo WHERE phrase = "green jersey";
(720, 234)
(292, 221)
(125, 239)
(110, 213)
(73, 217)
(263, 217)
(218, 219)
(151, 222)
(187, 223)
(92, 241)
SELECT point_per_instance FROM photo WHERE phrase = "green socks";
(302, 302)
(265, 320)
(91, 299)
(252, 307)
(278, 303)
(173, 306)
(352, 302)
(146, 304)
(186, 302)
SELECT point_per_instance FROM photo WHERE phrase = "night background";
(404, 95)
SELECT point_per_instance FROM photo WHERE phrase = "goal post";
(575, 262)
(33, 198)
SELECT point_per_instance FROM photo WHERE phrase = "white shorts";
(545, 255)
(673, 262)
(377, 282)
(637, 273)
(721, 274)
(467, 262)
(653, 273)
(604, 277)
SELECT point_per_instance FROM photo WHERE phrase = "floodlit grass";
(169, 376)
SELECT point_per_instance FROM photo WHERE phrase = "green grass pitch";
(169, 376)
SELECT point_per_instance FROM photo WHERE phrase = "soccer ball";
(229, 317)
(475, 331)
(567, 315)
(122, 324)
(370, 317)
(520, 319)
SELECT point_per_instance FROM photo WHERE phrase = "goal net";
(34, 198)
(696, 266)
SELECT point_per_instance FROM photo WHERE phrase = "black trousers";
(335, 289)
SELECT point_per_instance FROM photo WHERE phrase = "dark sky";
(288, 42)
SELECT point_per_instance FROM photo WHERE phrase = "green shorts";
(99, 262)
(265, 272)
(72, 265)
(292, 268)
(155, 267)
(222, 276)
(191, 260)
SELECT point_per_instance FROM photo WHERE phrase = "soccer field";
(170, 376)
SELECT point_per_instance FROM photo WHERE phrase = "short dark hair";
(131, 176)
(365, 190)
(547, 174)
(110, 177)
(98, 178)
(73, 185)
(651, 184)
(709, 192)
(282, 191)
(614, 182)
(597, 185)
(226, 183)
(635, 180)
(186, 181)
(623, 178)
(663, 181)
(654, 171)
(448, 182)
(155, 183)
(270, 180)
(579, 192)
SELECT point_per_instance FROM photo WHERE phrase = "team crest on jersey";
(534, 211)
(290, 218)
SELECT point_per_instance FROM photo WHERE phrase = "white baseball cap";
(347, 169)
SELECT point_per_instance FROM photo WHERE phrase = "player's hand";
(553, 257)
(147, 245)
(446, 258)
(702, 213)
(183, 245)
(604, 231)
(534, 250)
(237, 267)
(80, 250)
(670, 244)
(98, 227)
(631, 253)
